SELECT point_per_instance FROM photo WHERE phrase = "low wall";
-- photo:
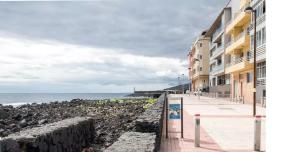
(148, 131)
(134, 141)
(68, 135)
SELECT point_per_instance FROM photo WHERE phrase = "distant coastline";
(16, 99)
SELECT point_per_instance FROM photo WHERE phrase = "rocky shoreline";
(112, 117)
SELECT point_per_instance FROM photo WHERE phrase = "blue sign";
(174, 111)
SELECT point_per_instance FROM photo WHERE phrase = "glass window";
(263, 35)
(249, 77)
(252, 41)
(264, 7)
(227, 79)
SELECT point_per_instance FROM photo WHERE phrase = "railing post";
(197, 130)
(257, 133)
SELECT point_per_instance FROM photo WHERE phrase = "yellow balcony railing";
(238, 42)
(240, 18)
(238, 64)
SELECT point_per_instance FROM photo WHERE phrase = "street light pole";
(250, 9)
(182, 87)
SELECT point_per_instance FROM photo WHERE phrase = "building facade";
(219, 82)
(229, 45)
(237, 51)
(199, 63)
(260, 7)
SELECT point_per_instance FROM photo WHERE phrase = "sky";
(106, 46)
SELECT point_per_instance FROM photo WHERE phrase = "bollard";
(197, 130)
(257, 133)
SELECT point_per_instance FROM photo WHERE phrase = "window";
(252, 41)
(258, 38)
(263, 35)
(249, 77)
(227, 79)
(199, 68)
(261, 70)
(200, 44)
(264, 7)
(200, 57)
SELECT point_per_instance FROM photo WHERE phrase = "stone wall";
(68, 135)
(134, 141)
(148, 131)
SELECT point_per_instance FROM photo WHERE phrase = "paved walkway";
(225, 126)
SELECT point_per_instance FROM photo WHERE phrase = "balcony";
(260, 53)
(218, 32)
(217, 52)
(259, 21)
(238, 42)
(261, 81)
(240, 18)
(217, 70)
(238, 64)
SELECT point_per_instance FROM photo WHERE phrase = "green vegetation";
(150, 102)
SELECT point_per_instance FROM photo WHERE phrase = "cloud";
(148, 27)
(98, 46)
(48, 63)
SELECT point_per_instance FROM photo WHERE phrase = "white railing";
(260, 50)
(240, 35)
(217, 68)
(259, 20)
(238, 60)
(217, 32)
(261, 81)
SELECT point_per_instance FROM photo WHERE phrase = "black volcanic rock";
(112, 117)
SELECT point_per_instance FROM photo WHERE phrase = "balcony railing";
(242, 34)
(259, 20)
(261, 81)
(260, 50)
(235, 39)
(217, 32)
(217, 68)
(238, 60)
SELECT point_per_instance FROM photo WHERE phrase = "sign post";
(257, 133)
(174, 112)
(197, 130)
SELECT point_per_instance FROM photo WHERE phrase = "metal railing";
(260, 50)
(217, 32)
(217, 68)
(238, 60)
(261, 81)
(259, 20)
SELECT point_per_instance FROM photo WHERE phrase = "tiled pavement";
(225, 126)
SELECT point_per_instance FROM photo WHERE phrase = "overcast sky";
(99, 46)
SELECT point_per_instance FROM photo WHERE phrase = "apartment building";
(260, 7)
(199, 63)
(237, 51)
(219, 82)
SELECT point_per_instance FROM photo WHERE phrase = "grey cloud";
(148, 27)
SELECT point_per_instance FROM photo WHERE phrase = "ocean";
(23, 98)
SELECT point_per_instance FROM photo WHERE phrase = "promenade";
(225, 126)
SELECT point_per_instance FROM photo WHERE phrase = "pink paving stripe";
(228, 116)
